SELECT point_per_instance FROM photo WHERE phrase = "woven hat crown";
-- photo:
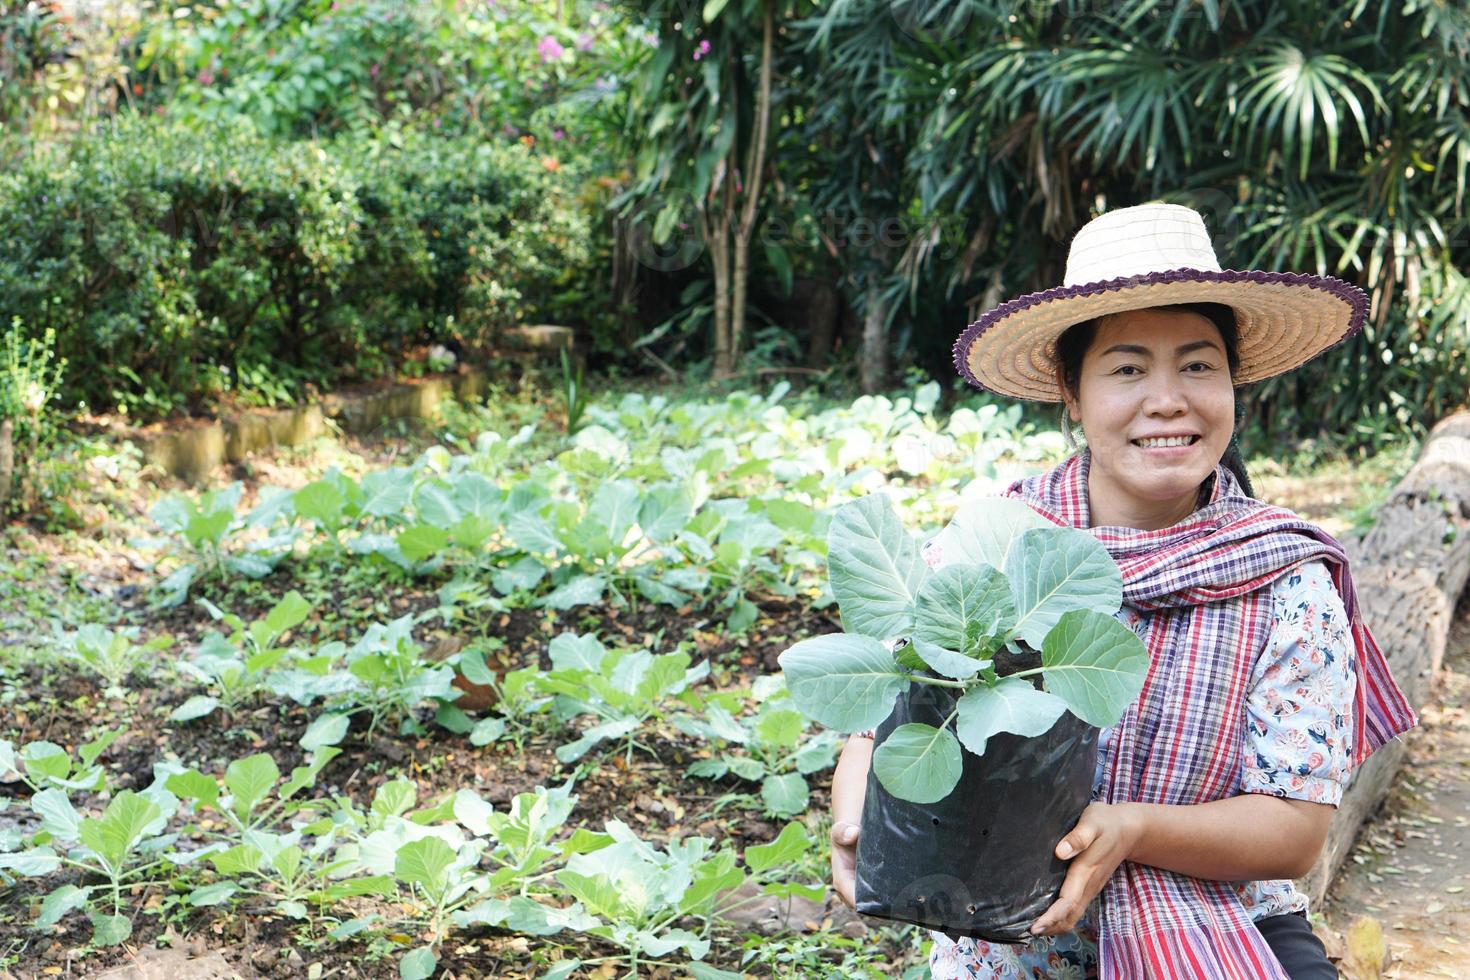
(1137, 241)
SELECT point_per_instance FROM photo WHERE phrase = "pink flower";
(558, 133)
(205, 77)
(373, 71)
(584, 42)
(550, 49)
(702, 50)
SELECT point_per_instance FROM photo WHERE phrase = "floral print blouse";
(1298, 741)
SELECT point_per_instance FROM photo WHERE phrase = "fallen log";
(1410, 570)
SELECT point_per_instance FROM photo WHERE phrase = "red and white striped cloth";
(1202, 583)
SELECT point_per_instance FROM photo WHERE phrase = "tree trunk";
(1409, 571)
(719, 253)
(873, 369)
(755, 164)
(738, 284)
(820, 307)
(7, 461)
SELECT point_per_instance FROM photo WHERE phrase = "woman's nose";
(1165, 396)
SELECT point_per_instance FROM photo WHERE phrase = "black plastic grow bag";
(981, 861)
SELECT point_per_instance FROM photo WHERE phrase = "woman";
(1217, 786)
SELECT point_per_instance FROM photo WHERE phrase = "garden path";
(1408, 879)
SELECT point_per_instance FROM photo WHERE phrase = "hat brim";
(1284, 318)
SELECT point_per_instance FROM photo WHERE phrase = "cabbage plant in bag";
(1008, 579)
(997, 665)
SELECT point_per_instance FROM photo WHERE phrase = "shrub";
(29, 378)
(175, 265)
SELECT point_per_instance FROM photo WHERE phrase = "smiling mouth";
(1174, 442)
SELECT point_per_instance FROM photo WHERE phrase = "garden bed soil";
(652, 794)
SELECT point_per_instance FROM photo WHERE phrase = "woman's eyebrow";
(1179, 351)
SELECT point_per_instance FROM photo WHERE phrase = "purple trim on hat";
(1355, 298)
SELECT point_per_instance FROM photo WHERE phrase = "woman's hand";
(1103, 839)
(844, 861)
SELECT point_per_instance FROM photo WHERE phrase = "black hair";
(1075, 341)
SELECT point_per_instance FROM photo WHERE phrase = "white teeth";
(1171, 441)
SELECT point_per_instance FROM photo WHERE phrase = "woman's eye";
(1128, 370)
(1199, 367)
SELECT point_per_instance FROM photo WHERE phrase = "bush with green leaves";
(770, 747)
(622, 689)
(1008, 578)
(177, 263)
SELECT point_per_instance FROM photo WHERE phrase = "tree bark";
(719, 253)
(755, 164)
(7, 461)
(873, 370)
(819, 309)
(1409, 570)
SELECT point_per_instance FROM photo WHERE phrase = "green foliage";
(521, 709)
(322, 68)
(643, 890)
(1003, 584)
(770, 747)
(30, 378)
(235, 665)
(1313, 137)
(621, 689)
(60, 67)
(574, 392)
(201, 528)
(176, 264)
(121, 846)
(111, 655)
(393, 678)
(681, 502)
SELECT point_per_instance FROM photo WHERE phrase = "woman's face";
(1153, 375)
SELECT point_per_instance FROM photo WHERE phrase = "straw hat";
(1156, 255)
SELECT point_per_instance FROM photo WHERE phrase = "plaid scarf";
(1201, 582)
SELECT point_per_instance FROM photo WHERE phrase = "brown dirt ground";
(63, 706)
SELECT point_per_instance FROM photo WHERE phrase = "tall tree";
(700, 109)
(1314, 136)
